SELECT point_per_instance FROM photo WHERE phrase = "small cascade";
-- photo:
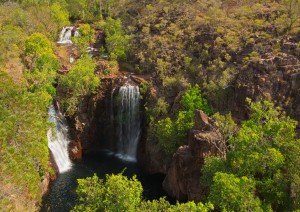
(129, 122)
(58, 142)
(66, 35)
(72, 59)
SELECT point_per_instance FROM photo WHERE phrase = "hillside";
(238, 61)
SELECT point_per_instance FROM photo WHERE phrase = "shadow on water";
(62, 192)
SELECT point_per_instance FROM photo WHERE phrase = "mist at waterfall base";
(125, 121)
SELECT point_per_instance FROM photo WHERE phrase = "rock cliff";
(182, 179)
(273, 77)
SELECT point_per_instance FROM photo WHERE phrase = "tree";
(117, 42)
(116, 193)
(78, 83)
(77, 9)
(173, 133)
(85, 39)
(39, 54)
(230, 193)
(293, 13)
(42, 63)
(120, 193)
(192, 100)
(23, 146)
(266, 152)
(59, 15)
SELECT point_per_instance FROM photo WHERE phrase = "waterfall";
(66, 35)
(58, 142)
(128, 116)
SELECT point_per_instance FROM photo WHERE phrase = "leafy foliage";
(85, 39)
(231, 193)
(117, 42)
(192, 100)
(79, 82)
(23, 148)
(171, 134)
(120, 193)
(264, 151)
(117, 193)
(42, 63)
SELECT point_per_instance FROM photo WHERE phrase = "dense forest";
(237, 61)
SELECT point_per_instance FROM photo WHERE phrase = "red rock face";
(75, 150)
(183, 176)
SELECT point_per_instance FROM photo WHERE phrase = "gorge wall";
(271, 77)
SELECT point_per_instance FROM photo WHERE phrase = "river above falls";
(62, 192)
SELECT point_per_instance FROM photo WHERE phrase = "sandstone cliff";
(183, 176)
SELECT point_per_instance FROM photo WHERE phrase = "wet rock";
(75, 150)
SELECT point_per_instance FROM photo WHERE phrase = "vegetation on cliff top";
(172, 134)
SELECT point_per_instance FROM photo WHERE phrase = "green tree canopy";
(116, 193)
(120, 193)
(266, 152)
(79, 82)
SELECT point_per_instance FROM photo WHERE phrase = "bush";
(120, 193)
(173, 133)
(116, 193)
(230, 193)
(117, 42)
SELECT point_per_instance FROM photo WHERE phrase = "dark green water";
(62, 195)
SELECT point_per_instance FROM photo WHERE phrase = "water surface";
(62, 192)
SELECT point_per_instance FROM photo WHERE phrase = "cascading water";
(129, 122)
(58, 144)
(66, 35)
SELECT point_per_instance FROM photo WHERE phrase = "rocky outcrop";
(183, 176)
(272, 77)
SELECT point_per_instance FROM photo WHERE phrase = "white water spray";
(58, 144)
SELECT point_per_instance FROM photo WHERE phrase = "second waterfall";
(128, 121)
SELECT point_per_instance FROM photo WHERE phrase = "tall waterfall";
(129, 122)
(58, 142)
